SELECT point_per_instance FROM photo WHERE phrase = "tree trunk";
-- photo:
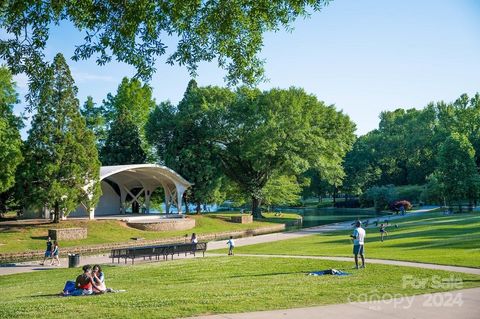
(256, 208)
(56, 213)
(199, 208)
(334, 196)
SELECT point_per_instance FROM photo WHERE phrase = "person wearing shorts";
(48, 251)
(358, 243)
(383, 231)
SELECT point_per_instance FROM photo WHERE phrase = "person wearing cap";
(358, 243)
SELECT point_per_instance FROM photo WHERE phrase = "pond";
(321, 216)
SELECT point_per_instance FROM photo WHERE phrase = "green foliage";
(280, 131)
(10, 142)
(282, 191)
(381, 196)
(315, 185)
(123, 145)
(95, 120)
(61, 167)
(230, 32)
(433, 191)
(185, 140)
(412, 193)
(402, 151)
(131, 105)
(457, 171)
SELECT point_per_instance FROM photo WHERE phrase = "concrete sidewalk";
(446, 305)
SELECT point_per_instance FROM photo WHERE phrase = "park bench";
(157, 251)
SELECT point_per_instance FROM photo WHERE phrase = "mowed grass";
(215, 285)
(26, 238)
(430, 238)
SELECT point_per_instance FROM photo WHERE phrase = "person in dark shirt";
(48, 251)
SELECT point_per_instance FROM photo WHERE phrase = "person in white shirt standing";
(358, 243)
(231, 245)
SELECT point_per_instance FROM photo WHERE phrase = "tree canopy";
(185, 139)
(282, 132)
(136, 32)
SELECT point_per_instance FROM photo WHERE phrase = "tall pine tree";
(10, 142)
(61, 168)
(123, 145)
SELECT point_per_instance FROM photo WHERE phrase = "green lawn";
(18, 239)
(212, 285)
(431, 238)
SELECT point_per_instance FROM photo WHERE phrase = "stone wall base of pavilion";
(165, 224)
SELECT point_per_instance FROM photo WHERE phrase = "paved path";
(458, 304)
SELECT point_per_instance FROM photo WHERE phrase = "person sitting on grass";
(99, 280)
(383, 231)
(48, 251)
(84, 284)
(231, 245)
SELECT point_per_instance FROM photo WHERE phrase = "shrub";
(410, 193)
(395, 206)
(381, 196)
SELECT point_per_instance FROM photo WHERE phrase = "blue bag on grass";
(69, 287)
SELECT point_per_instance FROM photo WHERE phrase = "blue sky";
(364, 56)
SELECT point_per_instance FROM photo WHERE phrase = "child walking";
(231, 245)
(55, 253)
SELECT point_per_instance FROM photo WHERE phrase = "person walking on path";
(55, 253)
(48, 251)
(231, 245)
(358, 243)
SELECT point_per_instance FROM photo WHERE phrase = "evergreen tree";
(123, 145)
(133, 102)
(10, 142)
(61, 167)
(95, 120)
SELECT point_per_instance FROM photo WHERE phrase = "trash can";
(73, 260)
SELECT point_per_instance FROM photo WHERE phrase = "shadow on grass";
(47, 295)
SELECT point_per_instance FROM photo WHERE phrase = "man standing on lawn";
(358, 243)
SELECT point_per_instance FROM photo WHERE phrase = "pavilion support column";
(91, 213)
(123, 197)
(180, 191)
(167, 199)
(148, 194)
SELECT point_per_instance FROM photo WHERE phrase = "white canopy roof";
(143, 174)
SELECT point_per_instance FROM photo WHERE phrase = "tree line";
(436, 148)
(246, 144)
